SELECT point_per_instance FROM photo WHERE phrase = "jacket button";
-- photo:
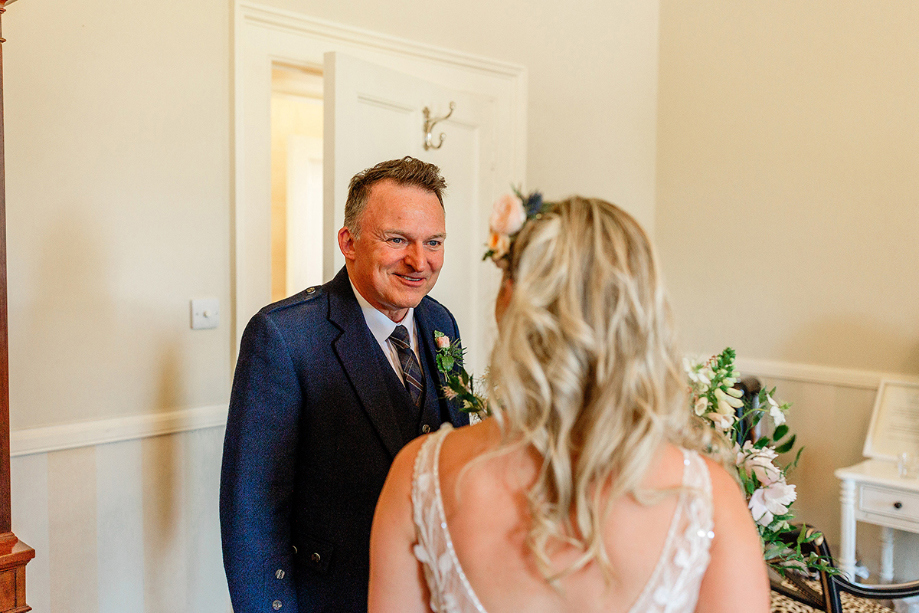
(276, 605)
(279, 573)
(425, 429)
(315, 557)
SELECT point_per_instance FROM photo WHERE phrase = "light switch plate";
(205, 313)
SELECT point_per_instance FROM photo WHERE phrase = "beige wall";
(118, 183)
(787, 215)
(788, 168)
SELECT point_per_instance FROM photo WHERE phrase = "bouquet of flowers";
(712, 396)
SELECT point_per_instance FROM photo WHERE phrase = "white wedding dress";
(672, 588)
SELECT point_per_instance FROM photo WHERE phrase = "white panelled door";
(304, 213)
(374, 114)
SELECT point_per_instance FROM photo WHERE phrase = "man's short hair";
(407, 171)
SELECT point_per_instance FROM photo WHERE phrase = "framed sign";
(894, 425)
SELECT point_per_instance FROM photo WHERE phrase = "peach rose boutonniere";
(459, 385)
(441, 340)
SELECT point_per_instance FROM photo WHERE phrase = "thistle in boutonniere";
(458, 384)
(712, 395)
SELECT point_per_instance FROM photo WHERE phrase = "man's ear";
(346, 243)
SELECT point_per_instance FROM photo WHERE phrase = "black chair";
(750, 386)
(799, 592)
(832, 593)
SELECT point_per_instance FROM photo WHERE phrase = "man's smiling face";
(396, 257)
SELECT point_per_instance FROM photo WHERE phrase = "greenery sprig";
(458, 384)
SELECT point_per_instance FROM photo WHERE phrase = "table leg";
(847, 537)
(886, 554)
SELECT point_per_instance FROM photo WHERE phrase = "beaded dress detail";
(672, 588)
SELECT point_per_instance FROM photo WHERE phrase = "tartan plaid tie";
(411, 370)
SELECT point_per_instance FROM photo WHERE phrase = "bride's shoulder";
(468, 442)
(459, 443)
(671, 460)
(403, 465)
(724, 485)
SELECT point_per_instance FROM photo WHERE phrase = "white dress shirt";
(382, 327)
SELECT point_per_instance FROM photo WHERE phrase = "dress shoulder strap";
(426, 460)
(449, 588)
(674, 584)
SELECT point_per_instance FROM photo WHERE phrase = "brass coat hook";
(429, 127)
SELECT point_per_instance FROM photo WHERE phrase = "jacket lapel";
(426, 331)
(360, 358)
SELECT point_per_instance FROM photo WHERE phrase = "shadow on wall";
(57, 344)
(164, 502)
(913, 359)
(90, 338)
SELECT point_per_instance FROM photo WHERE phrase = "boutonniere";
(458, 384)
(448, 352)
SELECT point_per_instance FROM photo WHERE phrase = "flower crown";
(508, 216)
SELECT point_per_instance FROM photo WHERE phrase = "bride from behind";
(585, 491)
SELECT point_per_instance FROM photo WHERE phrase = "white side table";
(873, 492)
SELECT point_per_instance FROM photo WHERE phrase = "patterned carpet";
(850, 604)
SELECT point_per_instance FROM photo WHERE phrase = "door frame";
(264, 35)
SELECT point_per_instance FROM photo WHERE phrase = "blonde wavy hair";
(585, 370)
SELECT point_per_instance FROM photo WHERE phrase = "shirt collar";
(380, 325)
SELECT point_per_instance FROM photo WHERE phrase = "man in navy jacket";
(323, 399)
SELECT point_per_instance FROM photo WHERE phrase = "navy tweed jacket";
(316, 417)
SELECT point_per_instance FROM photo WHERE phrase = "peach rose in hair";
(507, 215)
(499, 244)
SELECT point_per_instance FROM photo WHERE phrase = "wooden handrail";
(14, 554)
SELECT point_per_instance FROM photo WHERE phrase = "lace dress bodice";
(672, 588)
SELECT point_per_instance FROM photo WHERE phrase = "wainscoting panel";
(129, 526)
(206, 589)
(72, 509)
(831, 409)
(119, 526)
